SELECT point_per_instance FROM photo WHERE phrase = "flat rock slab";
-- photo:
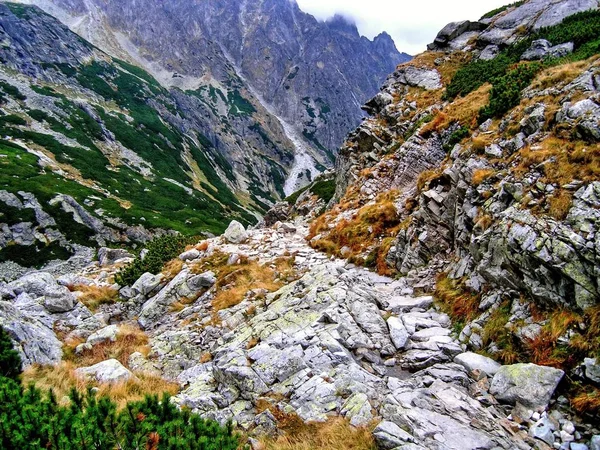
(472, 361)
(402, 304)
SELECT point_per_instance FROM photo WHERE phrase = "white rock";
(235, 233)
(472, 361)
(108, 333)
(110, 371)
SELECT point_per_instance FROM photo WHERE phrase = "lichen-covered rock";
(34, 339)
(528, 384)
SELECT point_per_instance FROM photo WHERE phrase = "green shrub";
(30, 420)
(582, 29)
(160, 251)
(456, 137)
(10, 361)
(506, 92)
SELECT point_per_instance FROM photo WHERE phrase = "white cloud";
(412, 23)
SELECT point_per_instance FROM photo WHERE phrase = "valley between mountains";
(202, 225)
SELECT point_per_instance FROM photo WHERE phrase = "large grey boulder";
(202, 281)
(33, 339)
(528, 384)
(473, 361)
(146, 283)
(110, 371)
(235, 233)
(55, 298)
(542, 48)
(428, 79)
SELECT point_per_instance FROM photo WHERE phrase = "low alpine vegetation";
(31, 419)
(160, 251)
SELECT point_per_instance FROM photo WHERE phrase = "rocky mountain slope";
(299, 69)
(473, 189)
(96, 151)
(477, 178)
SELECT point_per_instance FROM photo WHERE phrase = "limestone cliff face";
(301, 70)
(498, 198)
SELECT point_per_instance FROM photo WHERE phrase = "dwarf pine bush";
(31, 420)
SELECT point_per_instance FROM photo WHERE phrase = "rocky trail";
(335, 340)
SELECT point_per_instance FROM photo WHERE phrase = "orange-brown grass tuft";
(95, 296)
(481, 175)
(234, 282)
(454, 298)
(172, 268)
(368, 229)
(335, 434)
(130, 339)
(587, 401)
(61, 378)
(559, 204)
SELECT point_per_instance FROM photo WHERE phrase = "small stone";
(543, 429)
(398, 332)
(190, 255)
(568, 427)
(106, 334)
(575, 446)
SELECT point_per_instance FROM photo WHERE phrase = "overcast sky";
(412, 23)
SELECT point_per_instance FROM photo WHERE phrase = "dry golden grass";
(559, 204)
(481, 175)
(426, 177)
(587, 400)
(367, 230)
(484, 222)
(560, 75)
(253, 342)
(463, 110)
(564, 160)
(206, 357)
(234, 282)
(130, 339)
(335, 434)
(61, 379)
(461, 305)
(172, 268)
(95, 296)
